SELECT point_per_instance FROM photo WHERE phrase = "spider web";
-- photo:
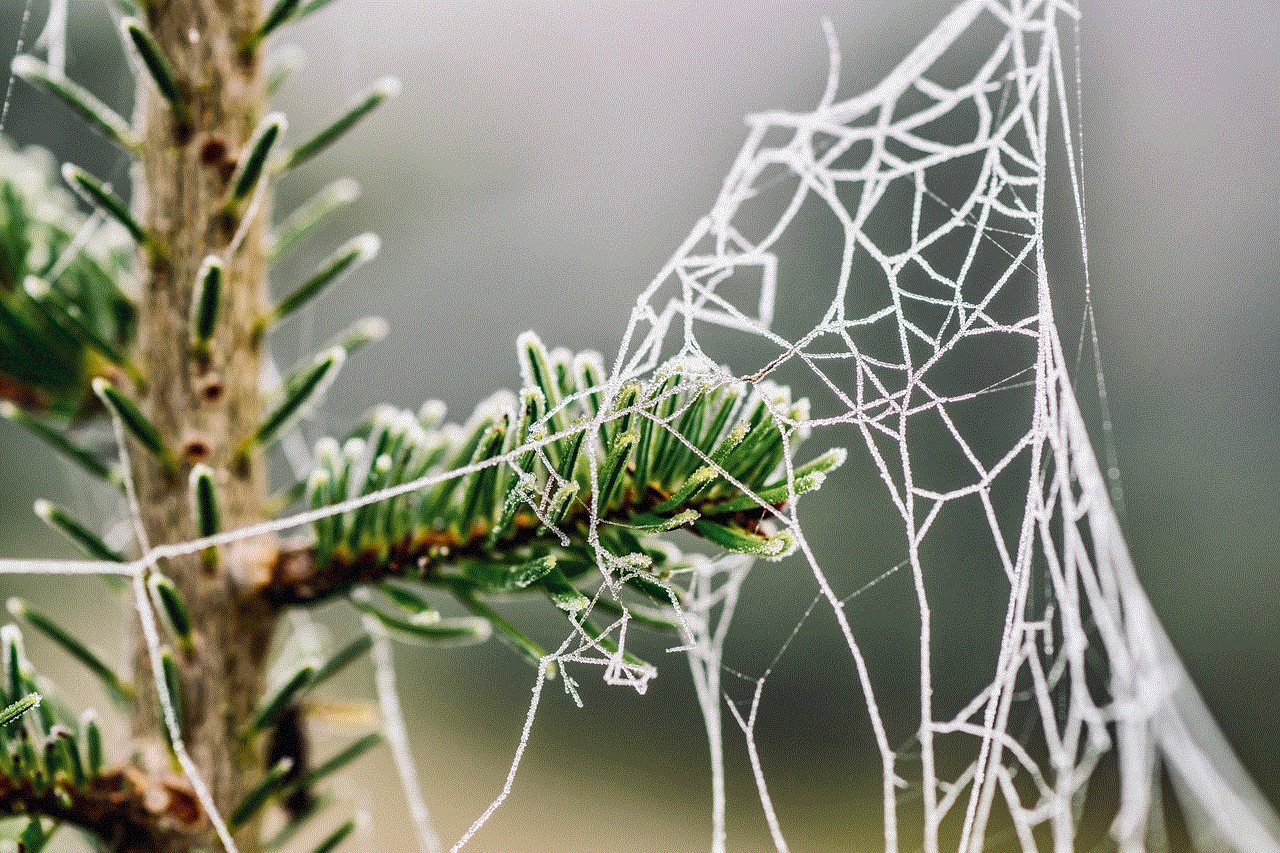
(939, 316)
(936, 319)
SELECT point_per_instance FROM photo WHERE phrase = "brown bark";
(203, 405)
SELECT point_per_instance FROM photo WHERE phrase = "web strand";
(17, 51)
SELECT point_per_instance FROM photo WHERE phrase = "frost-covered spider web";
(938, 315)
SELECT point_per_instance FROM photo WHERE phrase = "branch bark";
(203, 403)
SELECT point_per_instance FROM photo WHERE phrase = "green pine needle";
(340, 760)
(310, 215)
(204, 501)
(428, 632)
(93, 742)
(305, 389)
(507, 632)
(171, 605)
(153, 60)
(116, 687)
(18, 709)
(258, 796)
(14, 661)
(253, 160)
(280, 13)
(281, 64)
(205, 302)
(387, 87)
(342, 658)
(136, 423)
(99, 194)
(98, 115)
(173, 686)
(339, 835)
(562, 593)
(311, 7)
(59, 519)
(67, 316)
(275, 704)
(773, 547)
(348, 257)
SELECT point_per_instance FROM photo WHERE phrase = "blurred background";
(540, 166)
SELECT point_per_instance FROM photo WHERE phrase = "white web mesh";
(939, 315)
(937, 318)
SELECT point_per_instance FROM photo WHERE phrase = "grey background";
(541, 164)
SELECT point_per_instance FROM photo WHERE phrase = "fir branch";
(51, 766)
(715, 466)
(112, 806)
